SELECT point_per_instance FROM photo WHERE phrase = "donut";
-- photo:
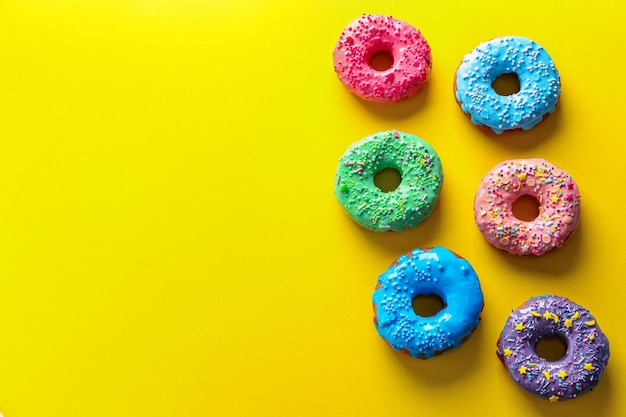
(553, 188)
(427, 271)
(540, 84)
(551, 316)
(414, 198)
(371, 34)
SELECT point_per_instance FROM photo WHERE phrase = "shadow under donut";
(558, 262)
(397, 243)
(400, 110)
(599, 402)
(437, 370)
(521, 140)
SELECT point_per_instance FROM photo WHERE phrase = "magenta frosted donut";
(371, 34)
(577, 371)
(553, 188)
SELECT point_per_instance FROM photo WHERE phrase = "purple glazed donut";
(577, 372)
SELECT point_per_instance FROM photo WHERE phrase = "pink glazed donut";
(370, 34)
(552, 187)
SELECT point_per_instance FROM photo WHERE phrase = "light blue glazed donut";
(540, 84)
(435, 271)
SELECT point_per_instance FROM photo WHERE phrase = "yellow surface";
(169, 241)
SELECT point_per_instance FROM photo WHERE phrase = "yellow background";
(170, 244)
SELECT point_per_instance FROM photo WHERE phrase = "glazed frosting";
(421, 272)
(370, 34)
(569, 377)
(559, 206)
(540, 84)
(406, 206)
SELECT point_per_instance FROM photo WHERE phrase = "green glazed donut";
(406, 206)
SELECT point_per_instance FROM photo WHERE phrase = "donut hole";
(526, 208)
(506, 84)
(427, 305)
(381, 60)
(551, 347)
(387, 179)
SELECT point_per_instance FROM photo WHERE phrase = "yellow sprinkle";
(590, 323)
(522, 370)
(592, 337)
(507, 352)
(576, 315)
(547, 315)
(554, 399)
(522, 176)
(533, 364)
(555, 199)
(555, 318)
(588, 367)
(563, 374)
(568, 323)
(519, 327)
(535, 314)
(547, 375)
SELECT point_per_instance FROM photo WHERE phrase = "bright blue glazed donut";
(540, 84)
(429, 271)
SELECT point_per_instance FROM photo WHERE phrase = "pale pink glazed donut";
(370, 34)
(552, 187)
